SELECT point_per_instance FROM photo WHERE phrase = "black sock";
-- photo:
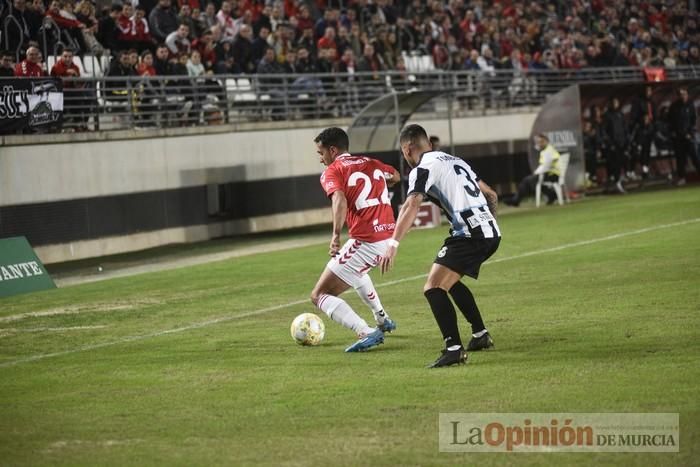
(445, 315)
(465, 301)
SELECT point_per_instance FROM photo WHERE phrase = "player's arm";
(339, 208)
(407, 215)
(392, 178)
(491, 197)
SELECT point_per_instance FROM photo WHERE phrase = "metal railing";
(111, 103)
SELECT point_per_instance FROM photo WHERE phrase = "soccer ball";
(308, 329)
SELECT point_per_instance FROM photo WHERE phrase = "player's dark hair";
(413, 134)
(543, 136)
(334, 136)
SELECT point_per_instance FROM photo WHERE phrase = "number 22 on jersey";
(363, 200)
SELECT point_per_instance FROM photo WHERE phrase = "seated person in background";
(178, 42)
(76, 102)
(7, 67)
(31, 66)
(117, 90)
(548, 167)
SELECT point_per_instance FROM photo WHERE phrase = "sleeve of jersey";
(330, 181)
(419, 181)
(388, 170)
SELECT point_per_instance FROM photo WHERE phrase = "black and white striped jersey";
(451, 183)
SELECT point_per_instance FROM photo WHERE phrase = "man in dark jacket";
(163, 20)
(682, 119)
(118, 90)
(243, 49)
(615, 141)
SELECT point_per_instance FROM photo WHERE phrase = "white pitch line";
(299, 302)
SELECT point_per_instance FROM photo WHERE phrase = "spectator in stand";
(67, 21)
(31, 66)
(261, 18)
(145, 66)
(307, 41)
(124, 26)
(281, 40)
(260, 44)
(228, 26)
(206, 47)
(141, 38)
(76, 102)
(242, 50)
(7, 67)
(328, 20)
(208, 19)
(108, 30)
(162, 20)
(682, 119)
(133, 59)
(185, 17)
(271, 86)
(29, 24)
(276, 17)
(86, 15)
(161, 63)
(304, 20)
(194, 65)
(371, 63)
(472, 62)
(178, 41)
(327, 41)
(118, 90)
(305, 64)
(226, 61)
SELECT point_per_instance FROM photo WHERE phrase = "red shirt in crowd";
(62, 21)
(61, 70)
(28, 69)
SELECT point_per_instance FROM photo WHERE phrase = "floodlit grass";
(187, 367)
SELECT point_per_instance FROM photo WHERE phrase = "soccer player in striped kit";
(470, 205)
(357, 186)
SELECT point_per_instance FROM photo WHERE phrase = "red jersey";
(363, 180)
(28, 69)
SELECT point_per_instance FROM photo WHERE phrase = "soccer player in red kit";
(357, 187)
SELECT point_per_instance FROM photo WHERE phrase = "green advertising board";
(20, 269)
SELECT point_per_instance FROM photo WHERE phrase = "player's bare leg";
(325, 296)
(368, 294)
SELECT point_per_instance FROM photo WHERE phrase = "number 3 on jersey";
(363, 199)
(472, 188)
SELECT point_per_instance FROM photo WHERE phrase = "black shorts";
(466, 255)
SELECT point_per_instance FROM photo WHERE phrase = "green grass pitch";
(594, 307)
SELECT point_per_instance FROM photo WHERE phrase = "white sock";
(479, 334)
(339, 311)
(452, 348)
(365, 289)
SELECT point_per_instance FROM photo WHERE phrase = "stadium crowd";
(197, 37)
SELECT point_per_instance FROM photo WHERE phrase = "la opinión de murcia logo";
(601, 432)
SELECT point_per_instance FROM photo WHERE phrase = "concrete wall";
(67, 167)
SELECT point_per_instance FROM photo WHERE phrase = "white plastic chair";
(559, 186)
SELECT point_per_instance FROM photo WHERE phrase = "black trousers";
(527, 185)
(684, 148)
(614, 158)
